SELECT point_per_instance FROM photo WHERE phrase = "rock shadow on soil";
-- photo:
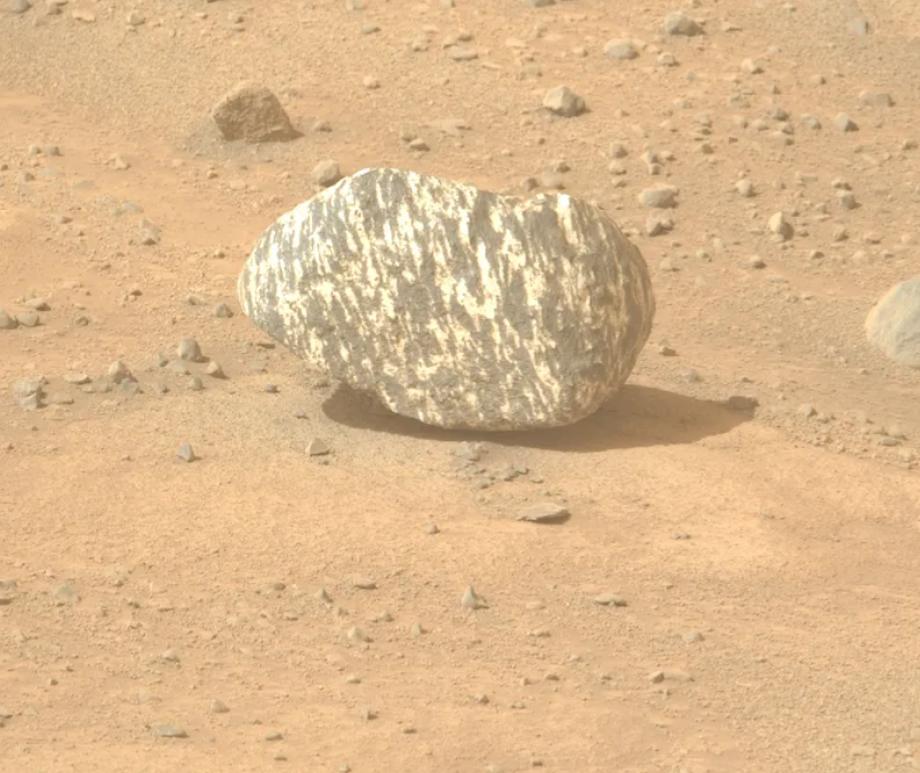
(637, 416)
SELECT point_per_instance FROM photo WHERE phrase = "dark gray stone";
(893, 326)
(454, 306)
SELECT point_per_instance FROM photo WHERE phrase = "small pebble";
(189, 350)
(185, 453)
(472, 600)
(609, 600)
(326, 173)
(169, 731)
(218, 707)
(317, 447)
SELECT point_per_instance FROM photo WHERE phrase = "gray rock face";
(894, 324)
(454, 306)
(251, 113)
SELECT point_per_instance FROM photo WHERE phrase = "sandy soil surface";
(264, 609)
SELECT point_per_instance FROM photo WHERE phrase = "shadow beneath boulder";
(636, 416)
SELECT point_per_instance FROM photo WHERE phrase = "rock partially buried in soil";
(544, 512)
(678, 23)
(893, 325)
(169, 731)
(454, 306)
(251, 113)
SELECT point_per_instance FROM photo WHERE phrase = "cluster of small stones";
(355, 631)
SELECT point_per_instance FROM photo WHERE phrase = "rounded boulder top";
(893, 325)
(454, 306)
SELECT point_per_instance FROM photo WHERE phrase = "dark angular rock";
(251, 113)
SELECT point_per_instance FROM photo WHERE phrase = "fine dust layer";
(457, 307)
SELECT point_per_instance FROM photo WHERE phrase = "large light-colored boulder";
(893, 325)
(454, 306)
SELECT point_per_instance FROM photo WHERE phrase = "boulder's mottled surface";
(457, 307)
(893, 325)
(251, 113)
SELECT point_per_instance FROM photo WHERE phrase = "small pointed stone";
(357, 634)
(119, 372)
(471, 600)
(318, 448)
(218, 707)
(185, 453)
(189, 350)
(844, 123)
(323, 595)
(780, 225)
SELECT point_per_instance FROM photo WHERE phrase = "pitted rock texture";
(454, 306)
(893, 325)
